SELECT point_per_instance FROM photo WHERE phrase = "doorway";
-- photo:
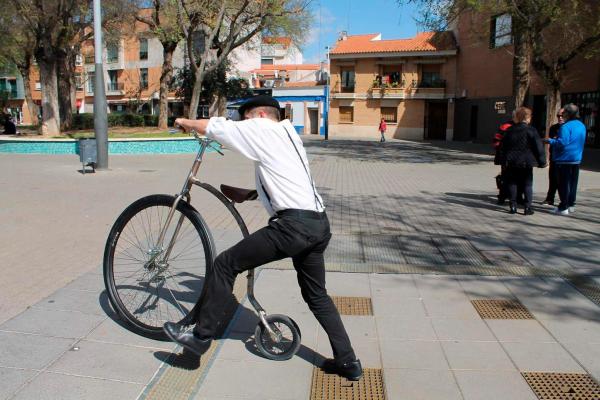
(313, 117)
(437, 120)
(473, 122)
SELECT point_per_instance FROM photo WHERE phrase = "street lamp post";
(100, 117)
(327, 95)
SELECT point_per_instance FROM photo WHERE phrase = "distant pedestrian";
(501, 178)
(382, 129)
(567, 151)
(552, 177)
(9, 126)
(522, 149)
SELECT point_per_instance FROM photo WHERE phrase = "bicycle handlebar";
(201, 138)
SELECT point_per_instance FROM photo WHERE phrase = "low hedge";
(86, 120)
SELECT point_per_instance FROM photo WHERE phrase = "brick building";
(408, 82)
(484, 81)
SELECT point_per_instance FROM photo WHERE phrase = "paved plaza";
(415, 229)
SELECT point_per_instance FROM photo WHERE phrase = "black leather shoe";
(351, 370)
(186, 338)
(528, 211)
(512, 210)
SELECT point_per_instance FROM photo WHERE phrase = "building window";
(346, 114)
(144, 78)
(143, 49)
(112, 53)
(266, 61)
(78, 81)
(392, 76)
(90, 82)
(389, 114)
(500, 31)
(347, 79)
(113, 80)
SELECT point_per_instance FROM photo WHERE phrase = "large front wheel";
(149, 283)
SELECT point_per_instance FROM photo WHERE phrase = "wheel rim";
(284, 345)
(150, 289)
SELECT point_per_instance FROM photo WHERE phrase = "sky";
(356, 17)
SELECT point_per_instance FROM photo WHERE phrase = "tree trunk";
(50, 107)
(33, 108)
(218, 106)
(65, 91)
(165, 79)
(196, 92)
(521, 63)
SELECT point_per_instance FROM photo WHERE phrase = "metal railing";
(430, 83)
(114, 86)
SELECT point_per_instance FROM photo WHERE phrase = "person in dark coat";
(522, 150)
(552, 176)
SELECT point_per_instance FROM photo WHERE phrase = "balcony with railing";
(435, 87)
(395, 89)
(340, 91)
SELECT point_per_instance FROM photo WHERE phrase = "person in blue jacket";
(567, 151)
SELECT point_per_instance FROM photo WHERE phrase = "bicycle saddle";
(238, 195)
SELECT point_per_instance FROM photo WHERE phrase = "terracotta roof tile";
(425, 41)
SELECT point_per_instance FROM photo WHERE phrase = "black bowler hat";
(258, 101)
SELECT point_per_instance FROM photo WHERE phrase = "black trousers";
(302, 235)
(552, 182)
(520, 180)
(568, 177)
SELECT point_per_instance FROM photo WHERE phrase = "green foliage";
(86, 120)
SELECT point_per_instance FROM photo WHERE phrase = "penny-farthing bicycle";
(160, 249)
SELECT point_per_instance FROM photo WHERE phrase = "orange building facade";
(407, 82)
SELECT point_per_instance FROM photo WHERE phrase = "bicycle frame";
(191, 180)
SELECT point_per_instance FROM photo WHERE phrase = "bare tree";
(214, 29)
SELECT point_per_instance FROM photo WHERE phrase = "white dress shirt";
(280, 163)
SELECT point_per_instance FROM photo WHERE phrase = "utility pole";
(327, 95)
(100, 117)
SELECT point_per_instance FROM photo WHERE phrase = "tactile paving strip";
(561, 386)
(501, 309)
(353, 305)
(332, 387)
(586, 286)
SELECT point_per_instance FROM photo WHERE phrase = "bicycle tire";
(290, 341)
(157, 279)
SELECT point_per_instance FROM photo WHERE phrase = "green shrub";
(150, 120)
(86, 120)
(83, 121)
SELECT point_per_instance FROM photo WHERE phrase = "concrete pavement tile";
(487, 243)
(285, 380)
(398, 306)
(91, 282)
(546, 357)
(111, 361)
(30, 351)
(348, 284)
(574, 331)
(450, 308)
(65, 324)
(484, 287)
(439, 286)
(461, 329)
(519, 330)
(49, 386)
(73, 300)
(12, 379)
(400, 328)
(588, 355)
(359, 327)
(413, 355)
(420, 385)
(110, 331)
(477, 355)
(486, 385)
(393, 285)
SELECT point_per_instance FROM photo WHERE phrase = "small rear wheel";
(286, 341)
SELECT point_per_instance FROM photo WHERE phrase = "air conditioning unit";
(78, 60)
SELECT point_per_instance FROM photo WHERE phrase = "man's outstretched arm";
(198, 125)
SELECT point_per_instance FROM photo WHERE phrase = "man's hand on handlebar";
(190, 125)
